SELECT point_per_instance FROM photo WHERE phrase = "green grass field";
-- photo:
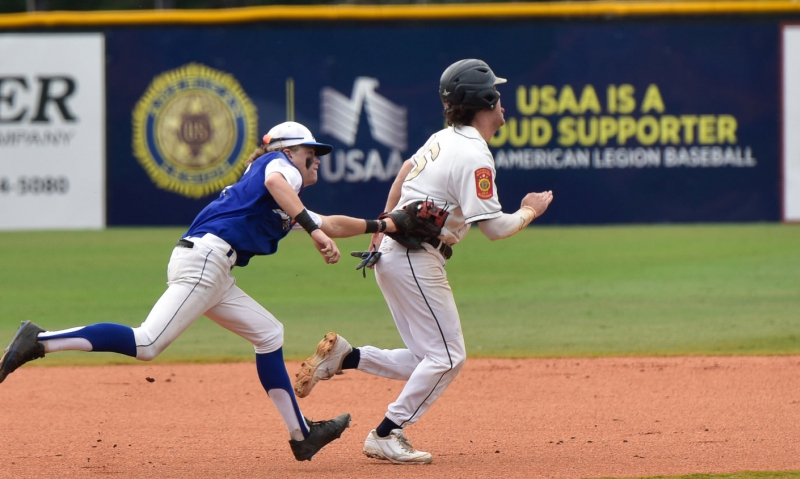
(547, 292)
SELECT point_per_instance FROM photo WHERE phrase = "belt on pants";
(184, 243)
(445, 249)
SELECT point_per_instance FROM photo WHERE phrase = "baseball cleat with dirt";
(325, 362)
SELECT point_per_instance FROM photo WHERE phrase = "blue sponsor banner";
(626, 121)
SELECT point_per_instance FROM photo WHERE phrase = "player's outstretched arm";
(287, 199)
(391, 202)
(339, 226)
(371, 255)
(533, 206)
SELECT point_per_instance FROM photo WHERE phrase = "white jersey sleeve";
(288, 170)
(474, 180)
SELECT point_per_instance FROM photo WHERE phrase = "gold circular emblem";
(192, 129)
(484, 184)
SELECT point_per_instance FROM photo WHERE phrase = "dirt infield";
(543, 418)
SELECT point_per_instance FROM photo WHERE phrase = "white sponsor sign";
(791, 123)
(52, 131)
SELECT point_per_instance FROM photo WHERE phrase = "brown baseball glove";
(417, 222)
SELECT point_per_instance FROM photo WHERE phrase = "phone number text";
(34, 185)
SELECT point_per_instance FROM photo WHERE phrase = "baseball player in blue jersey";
(455, 171)
(249, 218)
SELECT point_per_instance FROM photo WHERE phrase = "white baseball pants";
(414, 284)
(200, 283)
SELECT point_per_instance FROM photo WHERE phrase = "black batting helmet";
(469, 83)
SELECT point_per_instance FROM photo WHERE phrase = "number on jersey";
(422, 161)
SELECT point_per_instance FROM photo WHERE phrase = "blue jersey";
(246, 215)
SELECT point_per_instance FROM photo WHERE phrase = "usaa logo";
(388, 126)
(191, 130)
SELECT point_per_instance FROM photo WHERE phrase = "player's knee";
(458, 363)
(454, 364)
(451, 364)
(458, 356)
(148, 353)
(145, 355)
(148, 345)
(269, 341)
(451, 358)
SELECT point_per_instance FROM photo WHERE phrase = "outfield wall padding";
(630, 113)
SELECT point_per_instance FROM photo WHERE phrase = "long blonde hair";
(264, 149)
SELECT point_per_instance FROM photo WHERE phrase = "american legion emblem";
(483, 183)
(193, 129)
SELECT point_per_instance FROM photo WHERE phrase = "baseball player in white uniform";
(454, 169)
(248, 218)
